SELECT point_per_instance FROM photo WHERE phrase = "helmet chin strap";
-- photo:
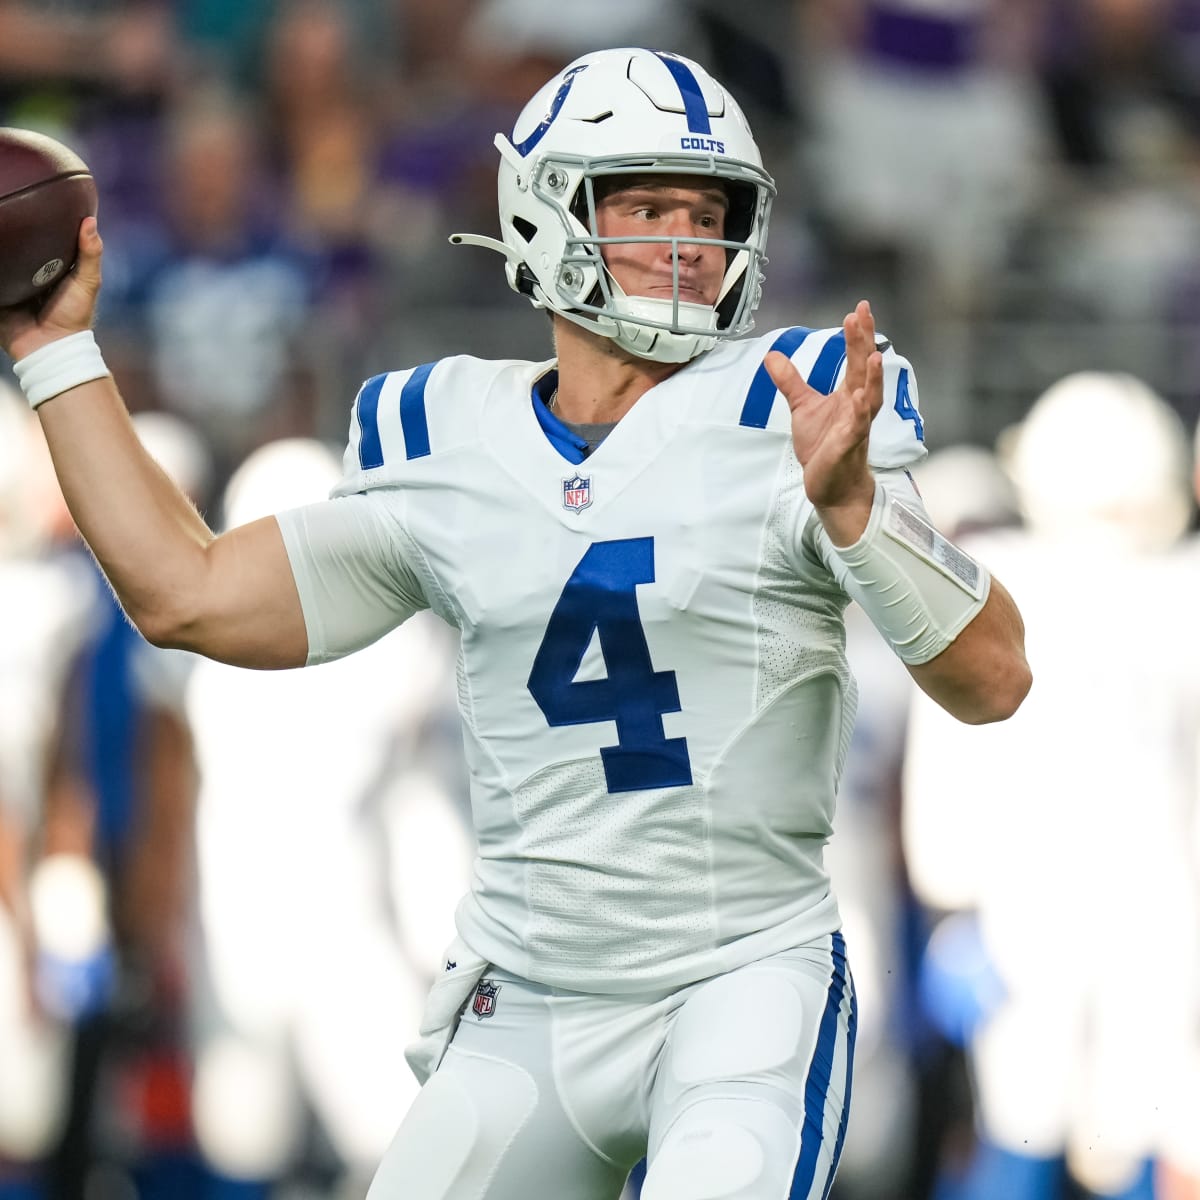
(660, 345)
(736, 269)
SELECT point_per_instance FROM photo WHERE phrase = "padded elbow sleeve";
(919, 589)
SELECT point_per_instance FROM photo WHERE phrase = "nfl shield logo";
(577, 493)
(484, 1003)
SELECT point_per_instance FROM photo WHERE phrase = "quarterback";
(647, 544)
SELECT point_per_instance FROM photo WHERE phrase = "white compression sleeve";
(347, 560)
(918, 588)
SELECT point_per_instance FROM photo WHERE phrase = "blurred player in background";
(864, 863)
(119, 809)
(43, 618)
(1059, 844)
(308, 992)
(647, 544)
(907, 1085)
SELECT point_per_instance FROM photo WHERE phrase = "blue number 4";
(601, 598)
(906, 408)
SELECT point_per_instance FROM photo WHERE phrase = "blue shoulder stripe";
(413, 421)
(756, 411)
(412, 413)
(370, 450)
(825, 370)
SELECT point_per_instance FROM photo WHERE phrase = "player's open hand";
(69, 308)
(830, 433)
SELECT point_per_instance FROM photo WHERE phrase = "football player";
(1053, 868)
(647, 544)
(304, 996)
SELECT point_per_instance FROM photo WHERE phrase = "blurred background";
(222, 895)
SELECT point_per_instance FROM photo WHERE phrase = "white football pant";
(732, 1086)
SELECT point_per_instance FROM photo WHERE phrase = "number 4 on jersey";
(906, 408)
(601, 598)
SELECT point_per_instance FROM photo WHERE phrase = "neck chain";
(552, 403)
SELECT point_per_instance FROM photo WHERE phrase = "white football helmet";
(628, 112)
(1101, 456)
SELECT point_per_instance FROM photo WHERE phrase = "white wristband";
(918, 588)
(59, 366)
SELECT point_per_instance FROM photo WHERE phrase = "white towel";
(444, 1005)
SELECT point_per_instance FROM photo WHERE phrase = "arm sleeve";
(348, 557)
(918, 588)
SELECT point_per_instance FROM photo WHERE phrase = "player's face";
(666, 208)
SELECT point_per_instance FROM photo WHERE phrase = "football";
(46, 190)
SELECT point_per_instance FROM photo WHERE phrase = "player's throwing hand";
(830, 432)
(69, 308)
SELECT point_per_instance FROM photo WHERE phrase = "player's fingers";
(859, 331)
(786, 378)
(866, 319)
(90, 244)
(873, 386)
(90, 250)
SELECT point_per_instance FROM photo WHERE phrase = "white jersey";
(652, 679)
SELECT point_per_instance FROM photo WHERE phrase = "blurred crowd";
(222, 895)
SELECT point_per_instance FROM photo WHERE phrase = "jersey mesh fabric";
(645, 858)
(800, 630)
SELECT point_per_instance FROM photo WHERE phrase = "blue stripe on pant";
(816, 1166)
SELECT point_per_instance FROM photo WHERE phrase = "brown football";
(46, 190)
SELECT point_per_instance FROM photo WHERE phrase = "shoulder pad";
(401, 417)
(898, 432)
(391, 405)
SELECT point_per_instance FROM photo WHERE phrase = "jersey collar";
(571, 447)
